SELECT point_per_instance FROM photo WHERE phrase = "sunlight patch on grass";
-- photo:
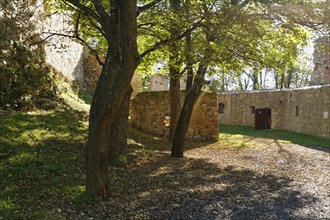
(235, 140)
(228, 133)
(41, 156)
(284, 141)
(75, 102)
(144, 152)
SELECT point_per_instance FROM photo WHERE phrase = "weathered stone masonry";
(321, 72)
(305, 110)
(149, 111)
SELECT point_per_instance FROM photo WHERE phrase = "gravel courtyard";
(267, 179)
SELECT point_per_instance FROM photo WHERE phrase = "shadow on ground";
(156, 186)
(162, 187)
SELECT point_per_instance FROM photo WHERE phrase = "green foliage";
(241, 35)
(25, 79)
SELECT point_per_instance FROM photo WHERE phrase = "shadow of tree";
(168, 188)
(141, 140)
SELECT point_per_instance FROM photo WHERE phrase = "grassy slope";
(41, 162)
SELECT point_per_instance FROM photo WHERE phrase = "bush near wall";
(25, 79)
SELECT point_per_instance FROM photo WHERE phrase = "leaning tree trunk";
(188, 106)
(191, 97)
(175, 75)
(175, 103)
(118, 132)
(184, 120)
(120, 64)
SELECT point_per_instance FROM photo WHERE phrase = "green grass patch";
(234, 134)
(41, 162)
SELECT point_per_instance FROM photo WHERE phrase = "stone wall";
(321, 72)
(162, 83)
(305, 110)
(92, 72)
(63, 53)
(70, 58)
(150, 111)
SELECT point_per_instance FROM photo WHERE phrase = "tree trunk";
(184, 120)
(289, 78)
(190, 70)
(175, 104)
(255, 80)
(117, 72)
(276, 76)
(282, 80)
(175, 75)
(118, 132)
(190, 98)
(186, 112)
(223, 82)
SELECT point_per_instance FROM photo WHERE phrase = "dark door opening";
(263, 118)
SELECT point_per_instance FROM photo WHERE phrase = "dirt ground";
(270, 179)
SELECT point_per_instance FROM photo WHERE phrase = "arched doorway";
(263, 118)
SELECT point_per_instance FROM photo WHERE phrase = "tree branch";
(51, 34)
(100, 10)
(85, 9)
(146, 7)
(169, 40)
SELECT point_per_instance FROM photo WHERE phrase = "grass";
(236, 135)
(41, 162)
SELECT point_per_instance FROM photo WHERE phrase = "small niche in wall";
(325, 115)
(221, 108)
(167, 120)
(297, 110)
(253, 109)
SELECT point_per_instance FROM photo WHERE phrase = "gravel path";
(273, 180)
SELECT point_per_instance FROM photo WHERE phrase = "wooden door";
(263, 117)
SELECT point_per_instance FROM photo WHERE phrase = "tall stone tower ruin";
(321, 72)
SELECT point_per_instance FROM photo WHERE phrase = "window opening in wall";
(297, 110)
(167, 120)
(221, 108)
(253, 109)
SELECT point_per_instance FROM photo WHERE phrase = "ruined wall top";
(321, 72)
(162, 83)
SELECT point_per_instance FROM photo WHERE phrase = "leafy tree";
(238, 35)
(113, 25)
(24, 76)
(118, 25)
